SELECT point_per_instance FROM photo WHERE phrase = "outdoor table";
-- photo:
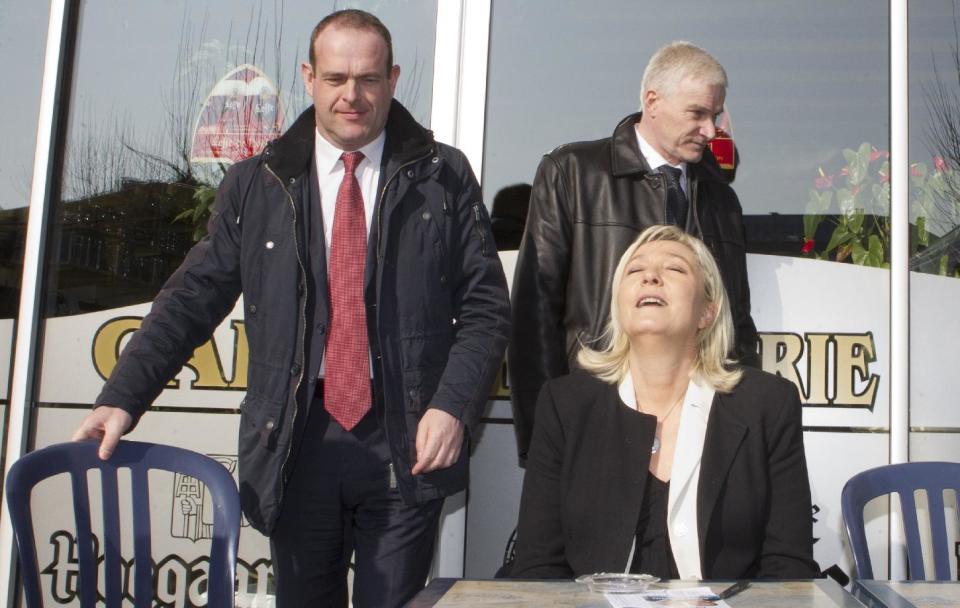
(907, 594)
(465, 593)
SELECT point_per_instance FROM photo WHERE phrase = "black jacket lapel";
(725, 434)
(623, 455)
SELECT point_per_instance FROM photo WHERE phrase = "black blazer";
(589, 460)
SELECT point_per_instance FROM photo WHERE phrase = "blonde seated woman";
(663, 456)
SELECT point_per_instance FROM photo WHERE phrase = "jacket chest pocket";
(423, 265)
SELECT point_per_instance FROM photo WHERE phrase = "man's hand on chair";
(106, 424)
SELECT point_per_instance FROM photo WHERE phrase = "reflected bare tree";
(942, 99)
(102, 158)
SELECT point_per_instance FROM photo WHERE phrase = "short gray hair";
(674, 62)
(611, 361)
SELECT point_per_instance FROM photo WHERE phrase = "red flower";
(875, 154)
(939, 164)
(823, 182)
(807, 246)
(914, 171)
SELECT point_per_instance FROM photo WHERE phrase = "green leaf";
(923, 237)
(858, 164)
(845, 200)
(875, 254)
(943, 265)
(849, 155)
(839, 237)
(856, 220)
(819, 201)
(859, 254)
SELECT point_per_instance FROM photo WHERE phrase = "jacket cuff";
(110, 398)
(456, 412)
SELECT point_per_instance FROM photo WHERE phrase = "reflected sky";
(136, 64)
(23, 33)
(807, 79)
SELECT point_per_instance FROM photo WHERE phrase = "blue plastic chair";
(77, 458)
(902, 479)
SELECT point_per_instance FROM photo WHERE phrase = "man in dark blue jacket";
(376, 313)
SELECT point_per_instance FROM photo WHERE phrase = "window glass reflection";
(22, 42)
(808, 85)
(167, 96)
(934, 225)
(935, 138)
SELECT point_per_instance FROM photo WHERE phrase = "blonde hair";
(714, 342)
(674, 62)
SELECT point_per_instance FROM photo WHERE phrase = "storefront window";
(165, 97)
(807, 108)
(934, 230)
(23, 32)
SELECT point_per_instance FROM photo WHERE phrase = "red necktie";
(346, 388)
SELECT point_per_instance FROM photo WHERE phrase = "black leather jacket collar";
(626, 159)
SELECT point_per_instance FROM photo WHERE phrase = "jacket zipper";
(383, 197)
(303, 328)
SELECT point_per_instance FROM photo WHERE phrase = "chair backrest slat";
(938, 533)
(112, 573)
(903, 479)
(911, 528)
(86, 543)
(142, 547)
(77, 458)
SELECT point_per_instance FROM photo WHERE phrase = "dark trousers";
(338, 501)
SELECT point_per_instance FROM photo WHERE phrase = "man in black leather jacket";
(591, 199)
(434, 326)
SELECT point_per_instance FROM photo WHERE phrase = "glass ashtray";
(609, 582)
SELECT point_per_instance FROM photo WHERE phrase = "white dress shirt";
(330, 174)
(685, 473)
(654, 159)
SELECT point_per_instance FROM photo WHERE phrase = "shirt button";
(410, 173)
(270, 424)
(321, 328)
(680, 530)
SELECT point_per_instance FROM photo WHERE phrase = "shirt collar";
(699, 394)
(328, 155)
(654, 159)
